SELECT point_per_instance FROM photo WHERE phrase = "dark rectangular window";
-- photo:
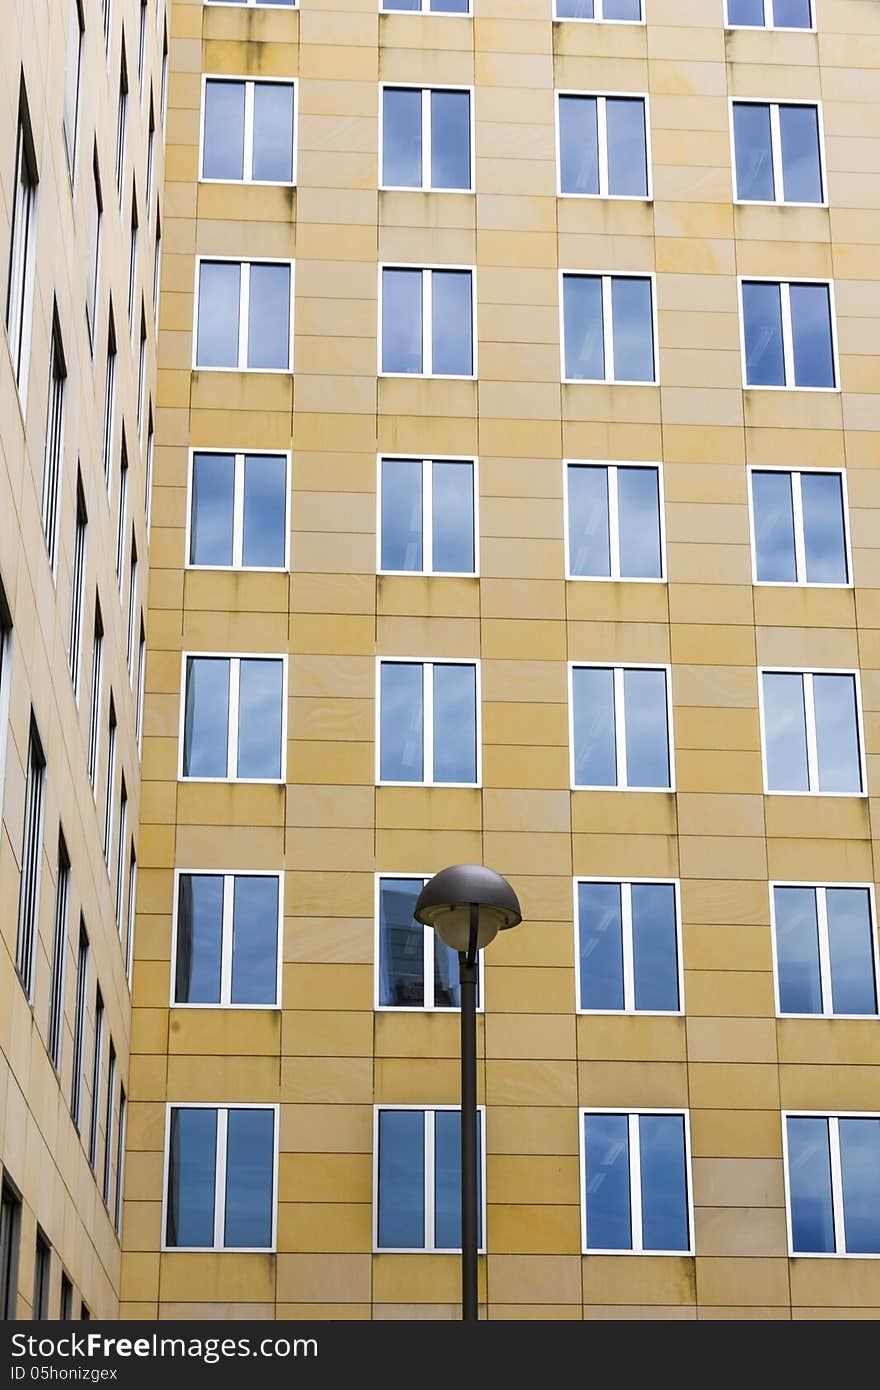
(65, 1311)
(77, 586)
(79, 1026)
(96, 1078)
(109, 1154)
(53, 457)
(42, 1272)
(221, 1177)
(22, 249)
(59, 955)
(10, 1235)
(31, 862)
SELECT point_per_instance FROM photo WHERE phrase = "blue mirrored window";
(773, 511)
(192, 1170)
(860, 1180)
(797, 950)
(401, 945)
(211, 529)
(824, 528)
(236, 1157)
(255, 940)
(837, 736)
(647, 728)
(638, 510)
(412, 1142)
(627, 147)
(401, 722)
(264, 520)
(600, 931)
(801, 159)
(238, 521)
(809, 1184)
(402, 321)
(402, 515)
(269, 318)
(260, 719)
(583, 327)
(447, 1180)
(594, 726)
(753, 146)
(785, 732)
(219, 300)
(206, 717)
(579, 144)
(589, 540)
(412, 490)
(199, 939)
(792, 14)
(632, 327)
(762, 329)
(402, 137)
(576, 9)
(250, 1164)
(455, 723)
(800, 529)
(621, 9)
(450, 140)
(452, 517)
(654, 948)
(851, 951)
(273, 132)
(223, 141)
(664, 1184)
(632, 495)
(452, 347)
(607, 1173)
(811, 336)
(746, 12)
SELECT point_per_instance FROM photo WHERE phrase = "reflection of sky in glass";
(791, 14)
(273, 132)
(797, 951)
(219, 294)
(265, 510)
(250, 1156)
(627, 147)
(212, 501)
(664, 1182)
(401, 718)
(447, 985)
(206, 722)
(638, 504)
(269, 317)
(824, 534)
(774, 527)
(401, 320)
(453, 517)
(199, 939)
(655, 946)
(402, 137)
(606, 1144)
(754, 157)
(402, 514)
(448, 6)
(223, 154)
(647, 729)
(853, 988)
(451, 323)
(632, 328)
(447, 1180)
(595, 755)
(192, 1167)
(401, 1179)
(622, 9)
(255, 940)
(860, 1171)
(401, 944)
(745, 12)
(578, 144)
(811, 335)
(450, 139)
(762, 327)
(588, 540)
(455, 723)
(801, 168)
(575, 9)
(785, 732)
(837, 736)
(259, 719)
(582, 321)
(809, 1179)
(601, 946)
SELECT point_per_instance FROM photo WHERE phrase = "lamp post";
(467, 906)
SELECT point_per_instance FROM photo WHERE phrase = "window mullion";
(613, 521)
(776, 153)
(620, 726)
(428, 721)
(428, 515)
(220, 1180)
(428, 964)
(810, 720)
(244, 296)
(238, 511)
(430, 1234)
(248, 152)
(635, 1183)
(836, 1185)
(629, 976)
(602, 136)
(768, 14)
(227, 926)
(800, 542)
(824, 950)
(787, 335)
(607, 328)
(427, 328)
(232, 731)
(427, 163)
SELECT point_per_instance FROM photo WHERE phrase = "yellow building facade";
(513, 502)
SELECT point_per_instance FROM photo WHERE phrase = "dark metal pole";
(467, 964)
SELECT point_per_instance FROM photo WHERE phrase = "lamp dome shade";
(445, 901)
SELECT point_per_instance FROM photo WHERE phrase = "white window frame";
(129, 938)
(832, 1117)
(110, 785)
(425, 9)
(109, 412)
(234, 659)
(426, 272)
(629, 1008)
(132, 603)
(248, 160)
(428, 516)
(427, 664)
(428, 960)
(243, 311)
(768, 21)
(21, 265)
(601, 98)
(820, 889)
(810, 722)
(635, 1177)
(27, 909)
(611, 468)
(801, 582)
(787, 332)
(427, 163)
(776, 151)
(599, 18)
(429, 1247)
(141, 680)
(608, 326)
(222, 1109)
(229, 876)
(93, 744)
(239, 456)
(619, 669)
(53, 452)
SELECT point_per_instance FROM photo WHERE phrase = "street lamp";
(467, 906)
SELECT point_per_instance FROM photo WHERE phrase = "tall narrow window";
(111, 780)
(132, 258)
(93, 264)
(603, 146)
(142, 370)
(788, 335)
(31, 862)
(812, 732)
(78, 580)
(107, 16)
(244, 315)
(121, 123)
(10, 1235)
(142, 668)
(121, 514)
(628, 957)
(5, 654)
(248, 131)
(132, 601)
(238, 510)
(234, 718)
(832, 1181)
(95, 697)
(799, 526)
(65, 1311)
(142, 42)
(165, 74)
(427, 319)
(151, 154)
(621, 727)
(615, 521)
(22, 250)
(109, 1137)
(221, 1164)
(120, 858)
(97, 1057)
(428, 722)
(426, 138)
(148, 472)
(415, 969)
(109, 399)
(132, 895)
(228, 940)
(778, 152)
(59, 955)
(417, 1176)
(76, 26)
(825, 949)
(79, 1026)
(120, 1161)
(54, 451)
(157, 268)
(636, 1183)
(42, 1270)
(428, 516)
